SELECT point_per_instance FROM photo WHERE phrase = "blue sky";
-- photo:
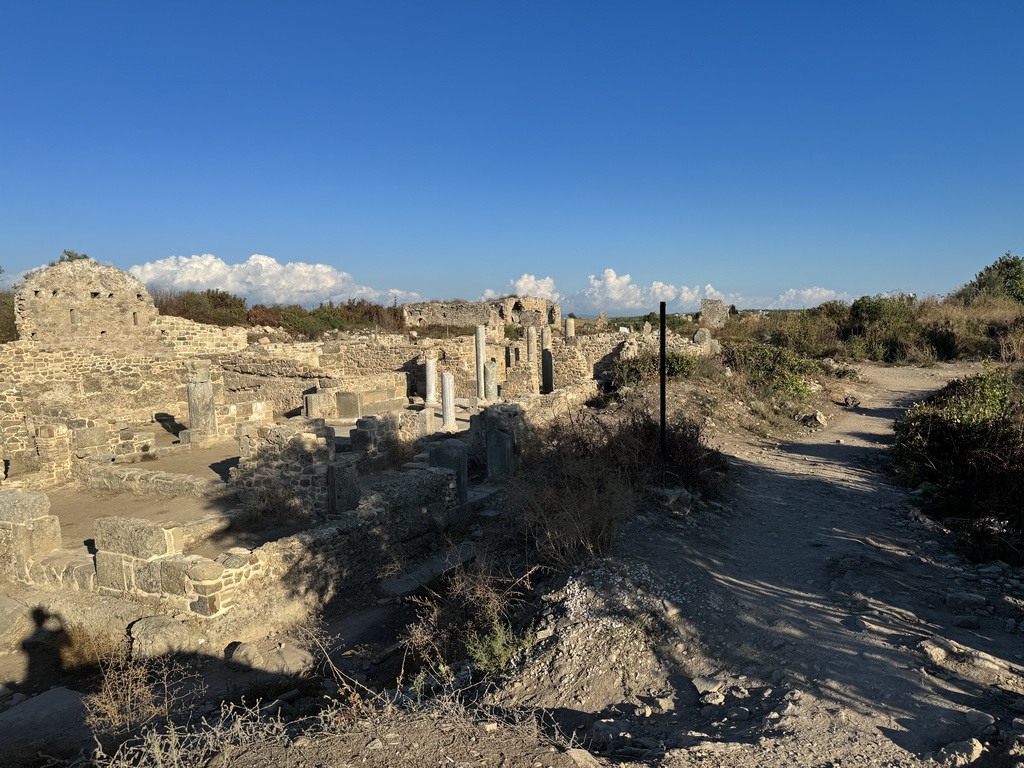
(774, 153)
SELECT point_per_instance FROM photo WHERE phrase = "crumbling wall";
(83, 304)
(287, 464)
(186, 337)
(511, 310)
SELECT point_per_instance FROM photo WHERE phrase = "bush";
(773, 372)
(646, 366)
(968, 439)
(213, 307)
(578, 477)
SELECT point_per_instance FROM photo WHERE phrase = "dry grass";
(135, 693)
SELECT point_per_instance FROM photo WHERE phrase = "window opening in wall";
(54, 293)
(135, 318)
(103, 333)
(74, 317)
(110, 295)
(94, 294)
(138, 296)
(35, 293)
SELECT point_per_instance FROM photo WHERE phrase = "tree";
(1005, 277)
(68, 256)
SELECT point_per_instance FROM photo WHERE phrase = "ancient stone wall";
(512, 310)
(185, 337)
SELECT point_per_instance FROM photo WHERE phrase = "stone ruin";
(523, 311)
(713, 313)
(100, 382)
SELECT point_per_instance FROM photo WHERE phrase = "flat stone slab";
(406, 583)
(54, 716)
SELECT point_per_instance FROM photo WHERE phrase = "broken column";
(447, 402)
(531, 345)
(202, 415)
(27, 532)
(481, 354)
(570, 328)
(545, 337)
(431, 373)
(491, 381)
(452, 454)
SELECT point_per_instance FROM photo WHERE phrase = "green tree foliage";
(1004, 277)
(68, 256)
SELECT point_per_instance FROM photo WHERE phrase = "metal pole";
(662, 372)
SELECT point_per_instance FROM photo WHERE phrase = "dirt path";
(821, 588)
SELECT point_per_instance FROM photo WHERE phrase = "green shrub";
(773, 372)
(968, 439)
(627, 372)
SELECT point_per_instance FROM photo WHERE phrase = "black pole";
(662, 374)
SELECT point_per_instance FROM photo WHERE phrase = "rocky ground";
(812, 617)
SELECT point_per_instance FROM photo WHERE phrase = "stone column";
(431, 371)
(545, 337)
(447, 402)
(491, 381)
(570, 328)
(531, 345)
(481, 354)
(202, 416)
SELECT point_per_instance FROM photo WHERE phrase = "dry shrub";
(469, 617)
(577, 479)
(135, 693)
(81, 649)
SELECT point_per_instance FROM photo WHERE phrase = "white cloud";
(527, 285)
(799, 298)
(262, 280)
(618, 294)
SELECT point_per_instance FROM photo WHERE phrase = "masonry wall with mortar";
(513, 310)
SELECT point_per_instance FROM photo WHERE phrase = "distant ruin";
(523, 311)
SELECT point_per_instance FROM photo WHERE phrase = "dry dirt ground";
(812, 617)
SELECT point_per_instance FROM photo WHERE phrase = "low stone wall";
(120, 478)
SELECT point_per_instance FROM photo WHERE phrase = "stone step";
(422, 457)
(428, 571)
(416, 465)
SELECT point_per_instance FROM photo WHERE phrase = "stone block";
(44, 536)
(21, 507)
(205, 570)
(347, 404)
(139, 538)
(173, 573)
(148, 576)
(208, 605)
(113, 572)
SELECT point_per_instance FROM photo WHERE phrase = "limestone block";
(148, 576)
(139, 538)
(205, 570)
(92, 437)
(43, 536)
(173, 573)
(158, 635)
(20, 507)
(347, 404)
(276, 658)
(114, 571)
